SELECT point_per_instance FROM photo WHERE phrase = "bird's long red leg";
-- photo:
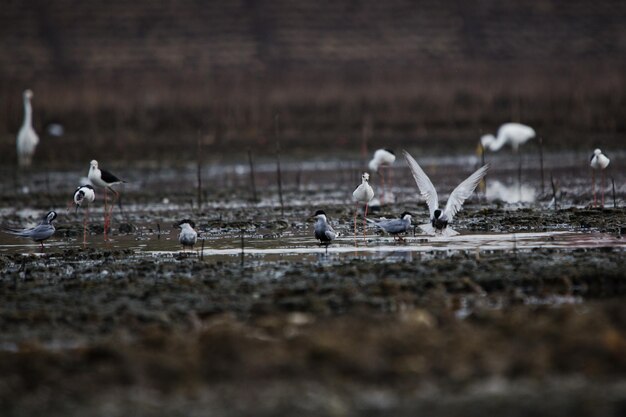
(382, 176)
(85, 226)
(365, 221)
(106, 213)
(356, 210)
(602, 188)
(593, 185)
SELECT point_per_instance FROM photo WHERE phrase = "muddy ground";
(135, 326)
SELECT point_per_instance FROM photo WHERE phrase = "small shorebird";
(394, 226)
(188, 236)
(383, 159)
(363, 194)
(598, 161)
(104, 179)
(439, 219)
(324, 232)
(84, 195)
(27, 139)
(515, 134)
(39, 233)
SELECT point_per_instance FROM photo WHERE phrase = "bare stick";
(158, 231)
(199, 173)
(554, 192)
(541, 164)
(242, 247)
(614, 200)
(202, 251)
(278, 173)
(252, 182)
(483, 182)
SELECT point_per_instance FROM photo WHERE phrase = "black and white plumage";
(324, 232)
(439, 219)
(394, 226)
(39, 233)
(27, 138)
(362, 194)
(84, 195)
(102, 178)
(598, 161)
(187, 236)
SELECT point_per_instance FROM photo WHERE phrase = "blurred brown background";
(144, 79)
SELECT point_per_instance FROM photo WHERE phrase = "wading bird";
(383, 159)
(84, 196)
(363, 194)
(104, 179)
(599, 161)
(324, 232)
(394, 226)
(27, 138)
(188, 236)
(515, 134)
(39, 233)
(439, 219)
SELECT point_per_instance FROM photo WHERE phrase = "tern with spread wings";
(439, 219)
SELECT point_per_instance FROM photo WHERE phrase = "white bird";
(394, 226)
(84, 196)
(439, 219)
(515, 134)
(188, 236)
(39, 233)
(362, 194)
(104, 179)
(27, 139)
(324, 232)
(599, 161)
(383, 158)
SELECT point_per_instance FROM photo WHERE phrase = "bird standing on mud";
(324, 232)
(383, 159)
(104, 179)
(394, 226)
(39, 233)
(27, 139)
(188, 236)
(599, 161)
(439, 219)
(84, 195)
(363, 194)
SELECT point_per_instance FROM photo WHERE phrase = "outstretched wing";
(423, 183)
(462, 192)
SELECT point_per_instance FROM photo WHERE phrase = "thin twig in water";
(614, 200)
(242, 247)
(541, 164)
(556, 203)
(252, 182)
(199, 172)
(278, 173)
(158, 230)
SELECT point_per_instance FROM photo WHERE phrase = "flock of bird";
(513, 134)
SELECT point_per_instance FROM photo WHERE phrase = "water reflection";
(510, 193)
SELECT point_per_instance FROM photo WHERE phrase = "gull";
(324, 232)
(188, 236)
(104, 179)
(383, 158)
(27, 139)
(394, 226)
(39, 233)
(599, 161)
(439, 219)
(84, 195)
(362, 194)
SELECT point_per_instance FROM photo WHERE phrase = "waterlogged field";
(522, 313)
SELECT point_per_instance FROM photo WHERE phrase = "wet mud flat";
(520, 329)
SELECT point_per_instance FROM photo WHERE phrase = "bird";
(362, 194)
(599, 161)
(439, 219)
(394, 226)
(84, 195)
(188, 236)
(383, 158)
(27, 138)
(324, 232)
(39, 233)
(104, 179)
(515, 134)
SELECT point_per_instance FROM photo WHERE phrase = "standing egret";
(598, 161)
(383, 159)
(362, 194)
(515, 134)
(439, 219)
(27, 139)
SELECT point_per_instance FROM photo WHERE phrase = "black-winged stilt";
(383, 159)
(362, 194)
(84, 196)
(599, 161)
(104, 179)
